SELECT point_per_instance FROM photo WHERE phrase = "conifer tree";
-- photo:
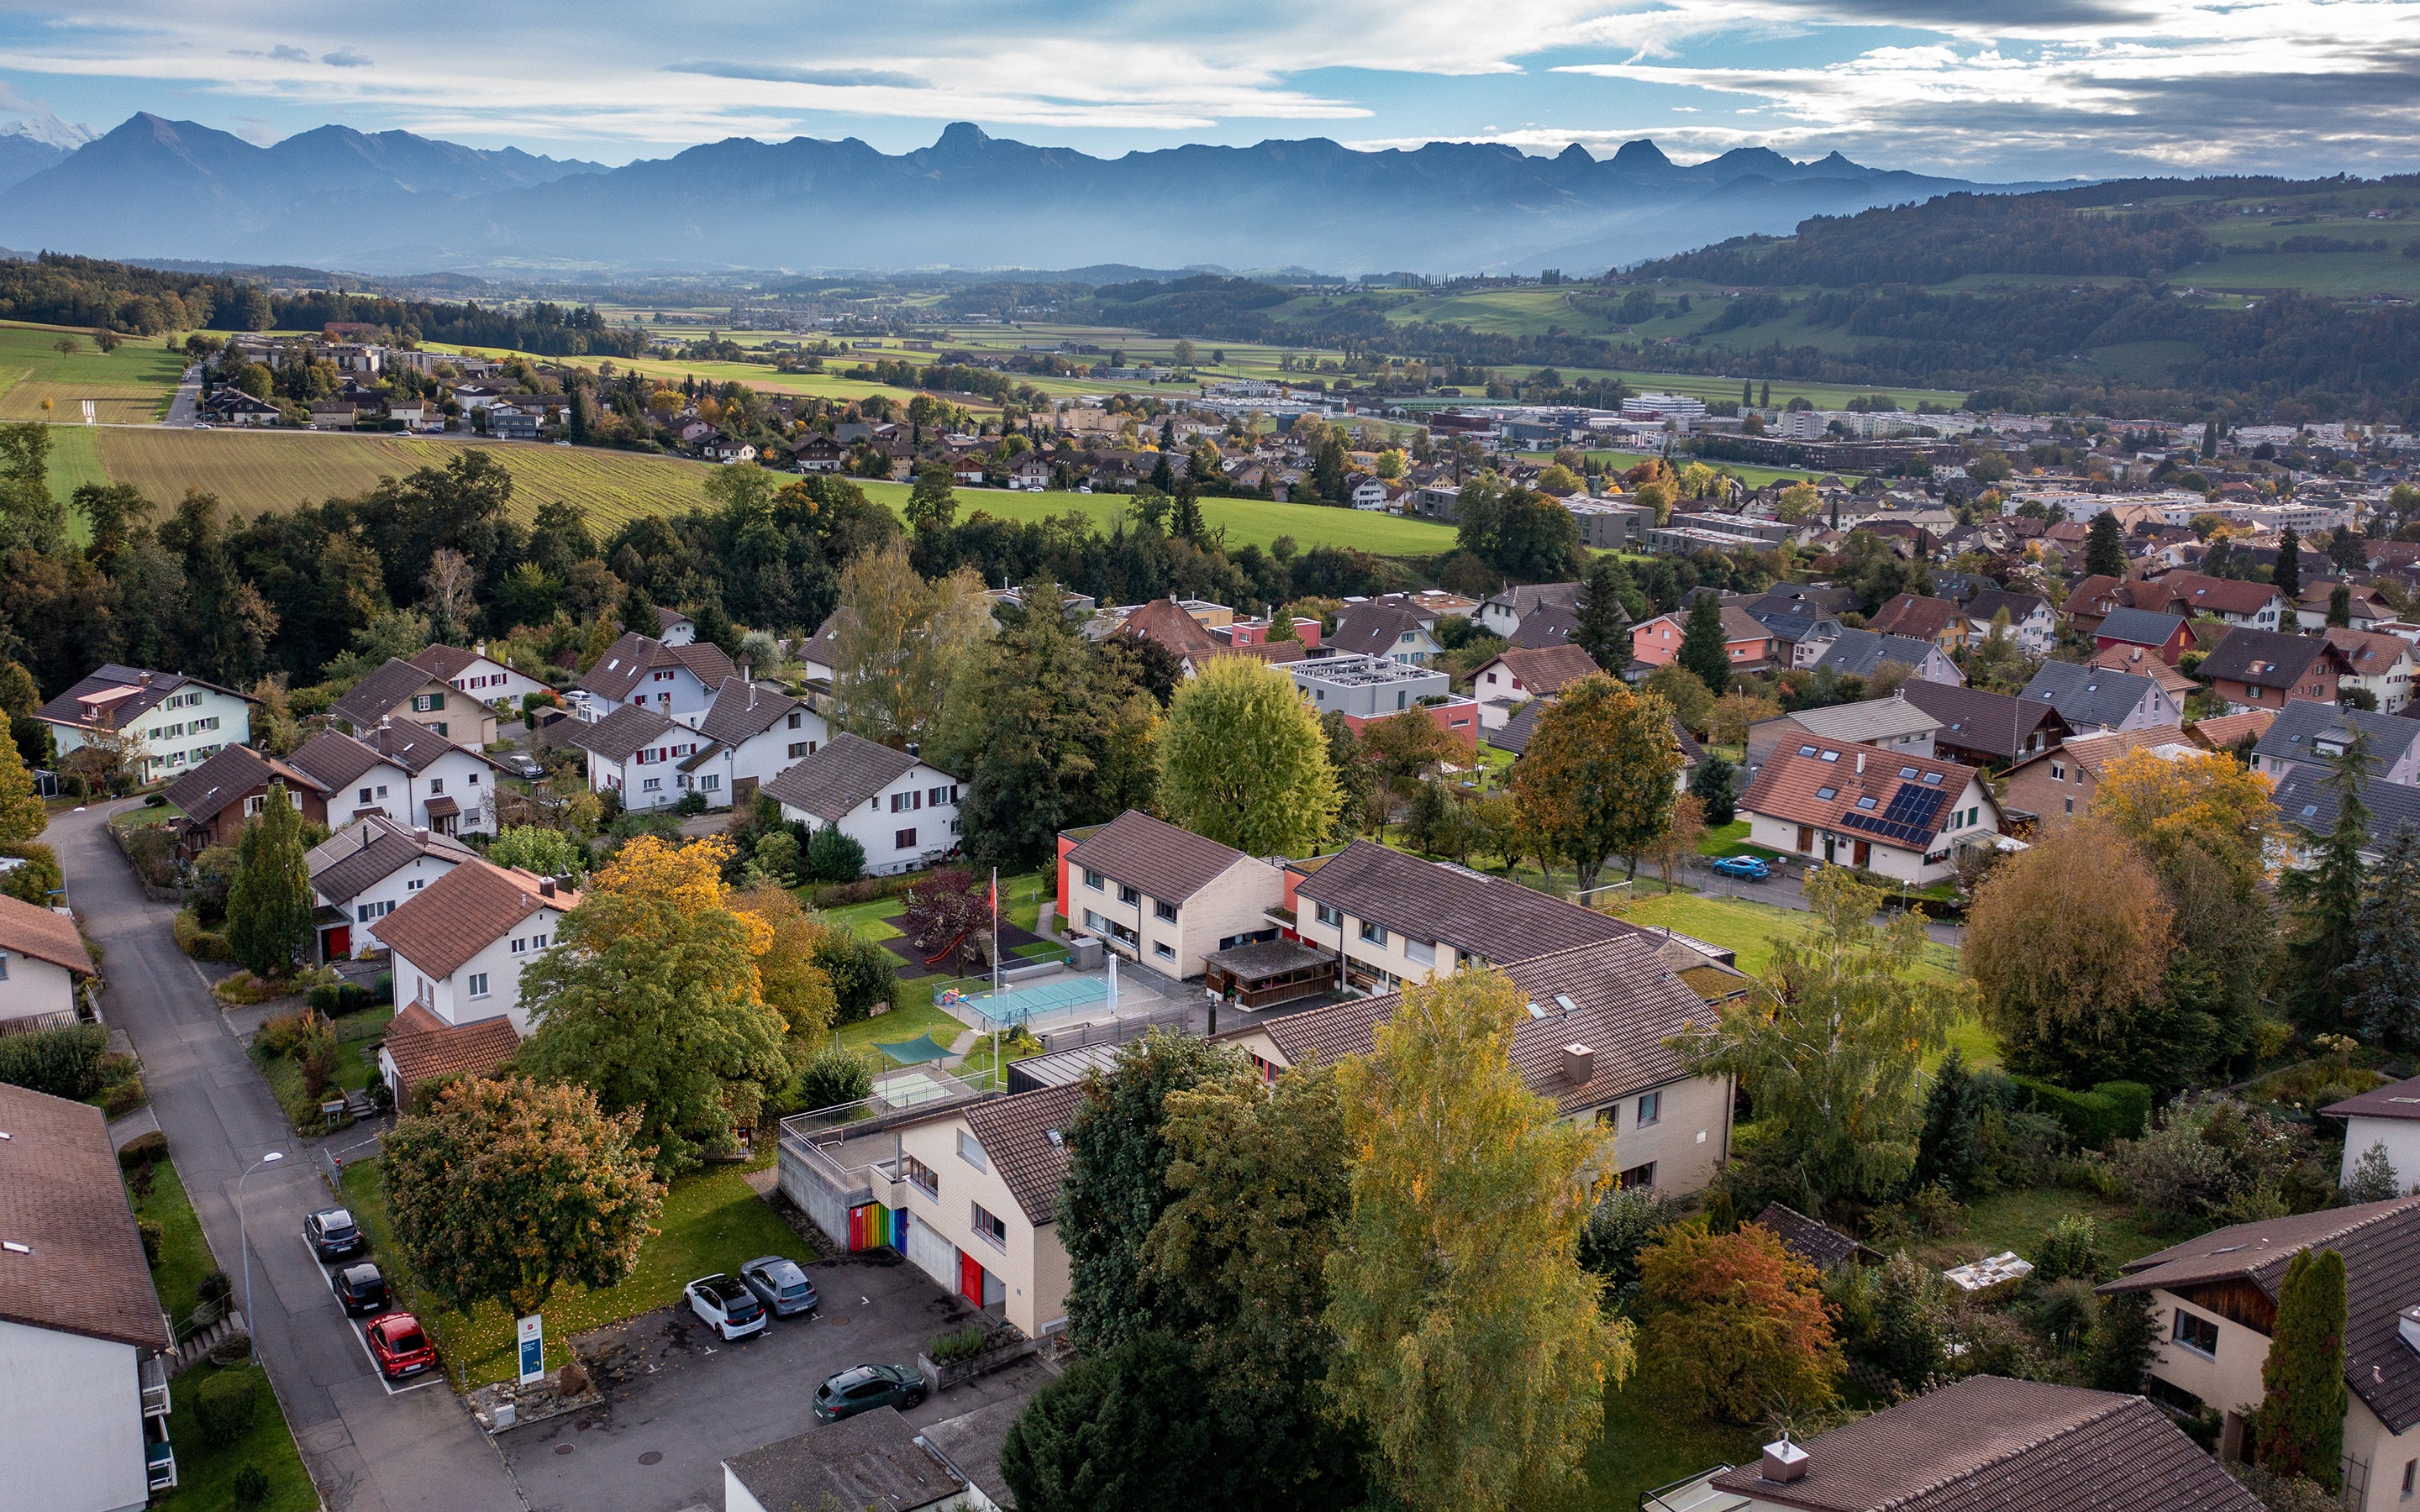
(1703, 650)
(2299, 1429)
(2386, 960)
(269, 907)
(2289, 577)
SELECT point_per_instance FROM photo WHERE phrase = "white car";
(726, 1304)
(202, 425)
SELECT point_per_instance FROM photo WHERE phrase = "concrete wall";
(2231, 1381)
(1236, 902)
(2402, 1139)
(73, 1414)
(1688, 1139)
(33, 986)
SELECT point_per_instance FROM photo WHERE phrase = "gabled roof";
(1167, 622)
(228, 775)
(1373, 629)
(1890, 718)
(383, 691)
(667, 618)
(1488, 917)
(2267, 658)
(2141, 661)
(1530, 596)
(742, 711)
(2305, 799)
(335, 759)
(847, 771)
(629, 660)
(1896, 801)
(621, 734)
(2395, 1100)
(1624, 1004)
(1820, 1246)
(2223, 731)
(61, 1196)
(1975, 718)
(28, 930)
(1990, 1444)
(2381, 1245)
(445, 663)
(2088, 697)
(361, 855)
(423, 1046)
(1163, 861)
(2140, 627)
(1987, 602)
(1016, 1133)
(1916, 616)
(2303, 725)
(1548, 625)
(2216, 595)
(121, 692)
(1544, 669)
(445, 924)
(1515, 736)
(2369, 653)
(1858, 653)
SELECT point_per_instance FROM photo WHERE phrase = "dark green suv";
(867, 1387)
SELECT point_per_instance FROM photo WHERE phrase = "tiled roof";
(62, 1198)
(69, 708)
(1528, 597)
(847, 771)
(1515, 736)
(2395, 1100)
(1915, 616)
(1977, 719)
(2295, 733)
(1371, 630)
(2305, 799)
(2369, 653)
(743, 710)
(359, 856)
(1165, 862)
(1624, 1006)
(1545, 626)
(445, 663)
(2097, 751)
(2265, 658)
(1872, 719)
(627, 663)
(2381, 1245)
(2141, 661)
(335, 759)
(1989, 601)
(1858, 653)
(463, 912)
(383, 692)
(1016, 1132)
(26, 929)
(1492, 918)
(873, 1461)
(423, 1046)
(667, 618)
(1988, 1444)
(621, 734)
(2218, 595)
(1547, 669)
(231, 773)
(2224, 730)
(2087, 697)
(1898, 800)
(1167, 622)
(2140, 627)
(1820, 1246)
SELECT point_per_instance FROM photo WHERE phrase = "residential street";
(186, 406)
(368, 1451)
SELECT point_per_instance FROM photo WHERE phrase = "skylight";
(1827, 793)
(1865, 803)
(1907, 771)
(1805, 750)
(1932, 779)
(1831, 755)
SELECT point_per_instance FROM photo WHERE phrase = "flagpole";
(997, 1078)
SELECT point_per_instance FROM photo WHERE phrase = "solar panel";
(1906, 834)
(1916, 806)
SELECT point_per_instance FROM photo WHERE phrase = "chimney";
(1861, 763)
(915, 751)
(145, 679)
(1784, 1461)
(546, 887)
(1580, 1064)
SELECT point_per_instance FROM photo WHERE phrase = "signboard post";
(533, 1350)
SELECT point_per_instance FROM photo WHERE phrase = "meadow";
(131, 385)
(1254, 520)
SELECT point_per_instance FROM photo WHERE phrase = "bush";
(153, 852)
(863, 973)
(224, 1406)
(1911, 1337)
(692, 802)
(862, 891)
(2074, 1248)
(64, 1062)
(38, 879)
(382, 989)
(2063, 1313)
(250, 1487)
(233, 1350)
(324, 1000)
(832, 856)
(143, 1150)
(213, 1287)
(1622, 1223)
(151, 1241)
(776, 854)
(2096, 1119)
(124, 1098)
(198, 942)
(280, 1034)
(834, 1075)
(2284, 1493)
(963, 1345)
(2219, 1159)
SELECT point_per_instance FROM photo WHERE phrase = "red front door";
(338, 943)
(970, 1279)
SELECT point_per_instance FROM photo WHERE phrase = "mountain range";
(393, 202)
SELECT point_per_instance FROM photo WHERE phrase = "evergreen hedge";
(64, 1062)
(2110, 1112)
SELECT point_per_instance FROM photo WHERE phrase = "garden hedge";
(64, 1062)
(2096, 1119)
(198, 942)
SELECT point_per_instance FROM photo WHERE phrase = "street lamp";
(243, 1239)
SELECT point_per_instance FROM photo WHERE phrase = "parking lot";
(681, 1398)
(328, 1270)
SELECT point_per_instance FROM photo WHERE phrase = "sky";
(2020, 90)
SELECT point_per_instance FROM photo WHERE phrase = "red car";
(399, 1346)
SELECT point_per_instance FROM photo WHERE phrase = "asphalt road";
(367, 1450)
(186, 406)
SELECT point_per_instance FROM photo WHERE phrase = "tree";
(1469, 1342)
(2299, 1428)
(1603, 628)
(2068, 944)
(2386, 960)
(1796, 502)
(1705, 649)
(1735, 712)
(1679, 689)
(1734, 1324)
(897, 641)
(2289, 577)
(1715, 785)
(2104, 547)
(2125, 1340)
(1830, 1046)
(1116, 1187)
(651, 998)
(1348, 762)
(1242, 762)
(931, 504)
(1680, 838)
(23, 816)
(269, 907)
(2348, 550)
(1404, 749)
(2340, 606)
(2325, 899)
(787, 975)
(1596, 780)
(539, 850)
(1129, 1426)
(2373, 1177)
(506, 1190)
(832, 856)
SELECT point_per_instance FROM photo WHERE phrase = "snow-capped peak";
(51, 130)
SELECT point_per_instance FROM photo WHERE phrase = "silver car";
(780, 1284)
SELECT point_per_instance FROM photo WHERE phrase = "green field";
(1245, 520)
(131, 385)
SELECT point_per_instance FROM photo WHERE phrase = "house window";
(1162, 949)
(415, 884)
(937, 797)
(251, 805)
(971, 1149)
(651, 784)
(801, 748)
(2410, 1469)
(1092, 879)
(1128, 895)
(1165, 911)
(2058, 772)
(2199, 1334)
(436, 786)
(381, 791)
(1637, 1175)
(1651, 1109)
(521, 947)
(921, 1175)
(794, 725)
(709, 784)
(478, 984)
(427, 702)
(1375, 933)
(1329, 914)
(2070, 807)
(904, 839)
(990, 1227)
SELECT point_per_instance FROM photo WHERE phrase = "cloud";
(776, 73)
(276, 54)
(345, 59)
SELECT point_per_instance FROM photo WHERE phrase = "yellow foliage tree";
(2206, 799)
(787, 973)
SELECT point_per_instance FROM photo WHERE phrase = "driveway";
(368, 1451)
(682, 1399)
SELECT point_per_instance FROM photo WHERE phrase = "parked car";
(867, 1387)
(399, 1344)
(524, 766)
(1744, 866)
(360, 1288)
(202, 425)
(726, 1304)
(780, 1284)
(334, 1235)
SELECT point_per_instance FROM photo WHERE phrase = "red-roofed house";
(42, 960)
(460, 943)
(1848, 805)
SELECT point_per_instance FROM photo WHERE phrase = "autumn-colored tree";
(2299, 1428)
(1680, 838)
(1796, 502)
(1678, 687)
(1596, 780)
(1734, 1324)
(651, 998)
(1469, 1342)
(1831, 1045)
(1735, 712)
(2207, 799)
(792, 985)
(1242, 761)
(2066, 942)
(1404, 749)
(23, 816)
(506, 1190)
(898, 639)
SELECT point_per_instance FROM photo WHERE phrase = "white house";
(402, 691)
(903, 811)
(2388, 1115)
(1891, 813)
(638, 754)
(365, 870)
(2032, 624)
(1393, 919)
(676, 681)
(179, 721)
(460, 943)
(750, 734)
(405, 771)
(673, 628)
(81, 1391)
(41, 958)
(475, 672)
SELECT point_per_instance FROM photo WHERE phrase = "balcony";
(1693, 1493)
(159, 1454)
(153, 1374)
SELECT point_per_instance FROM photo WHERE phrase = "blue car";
(1744, 866)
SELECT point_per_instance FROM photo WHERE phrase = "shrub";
(280, 1034)
(1911, 1337)
(118, 1101)
(863, 973)
(2063, 1313)
(153, 852)
(2125, 1339)
(151, 1239)
(2373, 1176)
(64, 1062)
(382, 991)
(143, 1150)
(250, 1487)
(213, 1287)
(38, 879)
(834, 1075)
(233, 1350)
(777, 855)
(224, 1406)
(1623, 1221)
(2074, 1248)
(2110, 1112)
(198, 942)
(2284, 1493)
(1936, 1212)
(963, 1345)
(832, 856)
(692, 802)
(324, 1000)
(1734, 1324)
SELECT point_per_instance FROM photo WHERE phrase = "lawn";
(185, 1252)
(75, 461)
(1647, 1445)
(712, 1221)
(907, 1021)
(131, 385)
(1258, 521)
(2018, 1220)
(143, 815)
(353, 1031)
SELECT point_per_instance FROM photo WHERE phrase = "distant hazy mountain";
(33, 143)
(335, 198)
